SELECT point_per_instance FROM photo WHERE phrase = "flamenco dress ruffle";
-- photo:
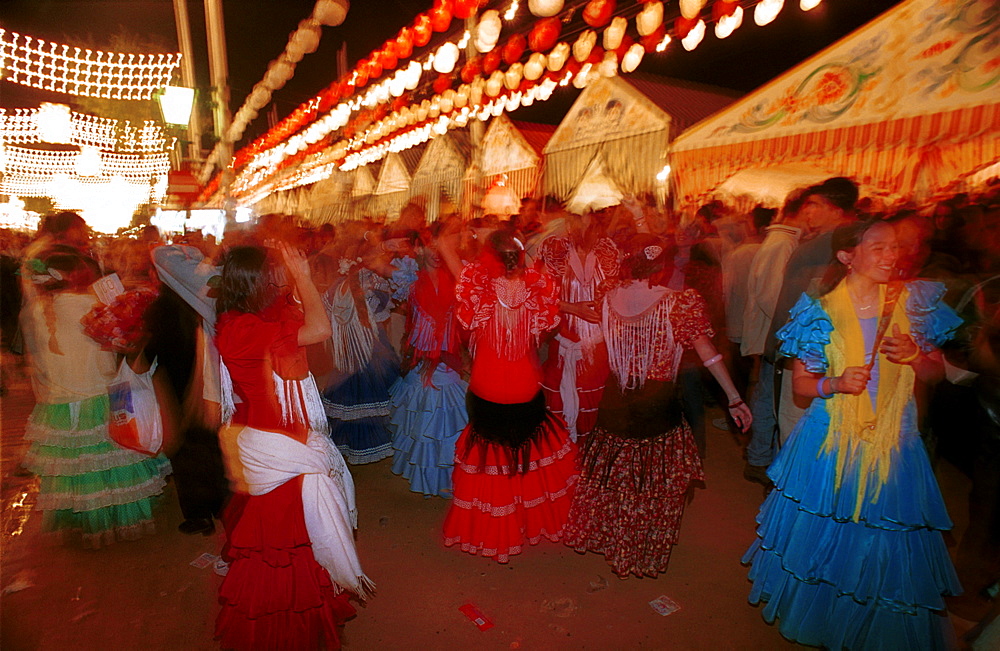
(874, 582)
(88, 483)
(496, 508)
(276, 596)
(426, 422)
(358, 406)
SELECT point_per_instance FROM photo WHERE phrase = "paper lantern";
(584, 45)
(535, 66)
(488, 31)
(476, 92)
(512, 78)
(471, 69)
(491, 61)
(512, 102)
(404, 43)
(657, 41)
(442, 83)
(556, 59)
(608, 67)
(633, 57)
(690, 9)
(598, 13)
(413, 73)
(440, 16)
(544, 34)
(446, 57)
(494, 84)
(650, 18)
(389, 58)
(545, 8)
(331, 12)
(729, 22)
(808, 5)
(694, 36)
(465, 8)
(514, 48)
(462, 96)
(422, 30)
(581, 78)
(422, 110)
(614, 33)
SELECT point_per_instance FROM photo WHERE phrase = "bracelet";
(736, 403)
(907, 360)
(819, 389)
(713, 360)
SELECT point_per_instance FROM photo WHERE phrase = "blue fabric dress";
(876, 582)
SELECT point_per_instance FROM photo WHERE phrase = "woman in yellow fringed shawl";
(849, 552)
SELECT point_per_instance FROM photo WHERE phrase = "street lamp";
(175, 104)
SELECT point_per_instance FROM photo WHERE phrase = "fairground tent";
(614, 138)
(392, 190)
(438, 178)
(908, 104)
(512, 163)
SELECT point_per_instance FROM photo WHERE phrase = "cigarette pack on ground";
(664, 605)
(477, 617)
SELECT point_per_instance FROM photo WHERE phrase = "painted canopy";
(909, 103)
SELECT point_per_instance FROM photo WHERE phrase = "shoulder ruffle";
(404, 274)
(932, 321)
(806, 334)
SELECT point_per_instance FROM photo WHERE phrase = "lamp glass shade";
(175, 104)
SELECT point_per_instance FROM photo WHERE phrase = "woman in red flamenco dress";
(294, 564)
(515, 464)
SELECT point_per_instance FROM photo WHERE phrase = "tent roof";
(536, 134)
(686, 102)
(506, 148)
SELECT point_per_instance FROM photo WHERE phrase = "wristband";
(736, 403)
(819, 389)
(713, 360)
(910, 358)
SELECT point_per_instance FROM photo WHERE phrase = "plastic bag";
(135, 421)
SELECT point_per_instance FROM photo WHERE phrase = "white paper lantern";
(535, 66)
(331, 12)
(557, 57)
(462, 96)
(54, 123)
(614, 33)
(633, 57)
(512, 78)
(728, 24)
(766, 11)
(650, 18)
(608, 67)
(413, 73)
(545, 8)
(695, 36)
(445, 58)
(584, 44)
(494, 84)
(488, 31)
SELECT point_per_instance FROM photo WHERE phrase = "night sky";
(257, 30)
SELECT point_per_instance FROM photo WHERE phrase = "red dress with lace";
(515, 464)
(275, 596)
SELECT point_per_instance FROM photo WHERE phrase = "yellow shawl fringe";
(864, 439)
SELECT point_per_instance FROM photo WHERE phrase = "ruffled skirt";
(831, 581)
(357, 407)
(426, 423)
(89, 484)
(276, 596)
(631, 498)
(504, 498)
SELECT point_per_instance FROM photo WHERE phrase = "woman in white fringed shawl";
(640, 460)
(294, 564)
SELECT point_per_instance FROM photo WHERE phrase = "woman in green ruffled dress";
(88, 484)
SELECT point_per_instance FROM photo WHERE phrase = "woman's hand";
(586, 310)
(853, 380)
(899, 348)
(741, 415)
(295, 262)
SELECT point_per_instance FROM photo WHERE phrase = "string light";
(511, 12)
(22, 127)
(79, 71)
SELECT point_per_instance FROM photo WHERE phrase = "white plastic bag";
(135, 421)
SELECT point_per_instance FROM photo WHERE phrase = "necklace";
(857, 301)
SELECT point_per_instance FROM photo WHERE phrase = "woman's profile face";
(877, 253)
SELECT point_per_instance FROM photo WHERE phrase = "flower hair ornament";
(41, 274)
(346, 264)
(653, 251)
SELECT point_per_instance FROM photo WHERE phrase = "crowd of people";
(549, 374)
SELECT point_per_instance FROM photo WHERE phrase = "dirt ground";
(147, 595)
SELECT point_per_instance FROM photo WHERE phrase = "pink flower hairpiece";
(653, 251)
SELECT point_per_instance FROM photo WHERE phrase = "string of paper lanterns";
(379, 119)
(25, 126)
(61, 68)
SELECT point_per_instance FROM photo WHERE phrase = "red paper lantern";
(404, 43)
(598, 13)
(650, 41)
(389, 57)
(465, 8)
(596, 55)
(440, 18)
(514, 48)
(375, 66)
(491, 61)
(627, 42)
(721, 9)
(472, 69)
(684, 25)
(422, 30)
(361, 80)
(545, 34)
(442, 83)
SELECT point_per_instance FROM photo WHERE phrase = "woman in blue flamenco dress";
(428, 403)
(849, 552)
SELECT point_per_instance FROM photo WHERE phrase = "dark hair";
(58, 224)
(637, 264)
(845, 238)
(247, 281)
(509, 252)
(840, 191)
(74, 270)
(762, 217)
